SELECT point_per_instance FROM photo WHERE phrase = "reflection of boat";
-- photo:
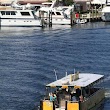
(75, 92)
(18, 18)
(81, 21)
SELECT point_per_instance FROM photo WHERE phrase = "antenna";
(55, 74)
(74, 70)
(66, 73)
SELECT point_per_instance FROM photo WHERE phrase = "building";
(82, 5)
(31, 1)
(23, 1)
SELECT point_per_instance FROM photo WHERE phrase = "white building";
(22, 1)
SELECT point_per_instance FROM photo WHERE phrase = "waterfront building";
(23, 1)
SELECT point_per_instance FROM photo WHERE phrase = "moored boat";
(75, 91)
(106, 13)
(12, 17)
(60, 15)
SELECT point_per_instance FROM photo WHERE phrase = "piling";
(71, 17)
(0, 22)
(50, 18)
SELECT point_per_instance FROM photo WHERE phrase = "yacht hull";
(19, 22)
(106, 16)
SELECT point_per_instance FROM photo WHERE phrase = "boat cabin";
(74, 92)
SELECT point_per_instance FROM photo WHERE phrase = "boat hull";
(106, 16)
(60, 21)
(93, 102)
(19, 22)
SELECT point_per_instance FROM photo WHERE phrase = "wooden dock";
(92, 15)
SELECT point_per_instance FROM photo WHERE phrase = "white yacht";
(106, 13)
(18, 18)
(60, 14)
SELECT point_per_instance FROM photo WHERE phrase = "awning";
(83, 80)
(82, 1)
(6, 1)
(98, 2)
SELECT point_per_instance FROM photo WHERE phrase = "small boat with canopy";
(77, 91)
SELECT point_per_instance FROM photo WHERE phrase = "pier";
(91, 16)
(47, 19)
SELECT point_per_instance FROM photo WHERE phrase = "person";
(81, 98)
(52, 97)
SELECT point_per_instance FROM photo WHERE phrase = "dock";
(91, 16)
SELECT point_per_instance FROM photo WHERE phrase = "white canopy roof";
(98, 2)
(85, 79)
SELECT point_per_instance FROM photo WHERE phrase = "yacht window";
(33, 13)
(58, 13)
(53, 13)
(7, 12)
(13, 13)
(25, 13)
(3, 12)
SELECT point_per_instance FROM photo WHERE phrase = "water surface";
(28, 57)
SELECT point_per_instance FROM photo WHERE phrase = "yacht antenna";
(66, 73)
(55, 74)
(74, 70)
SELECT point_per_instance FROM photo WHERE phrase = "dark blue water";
(28, 57)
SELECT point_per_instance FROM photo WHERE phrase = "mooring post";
(71, 17)
(50, 18)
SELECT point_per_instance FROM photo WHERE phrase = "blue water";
(28, 57)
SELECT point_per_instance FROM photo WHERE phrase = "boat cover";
(83, 80)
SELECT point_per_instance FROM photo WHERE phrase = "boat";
(59, 14)
(18, 16)
(77, 91)
(106, 13)
(81, 21)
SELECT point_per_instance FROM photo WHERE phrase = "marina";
(50, 13)
(60, 67)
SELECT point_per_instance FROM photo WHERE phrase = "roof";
(106, 9)
(82, 1)
(80, 80)
(98, 2)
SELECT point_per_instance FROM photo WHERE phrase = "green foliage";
(68, 2)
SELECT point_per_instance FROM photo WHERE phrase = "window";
(53, 13)
(7, 12)
(3, 12)
(33, 12)
(58, 13)
(13, 13)
(25, 13)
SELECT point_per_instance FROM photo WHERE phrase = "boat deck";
(59, 108)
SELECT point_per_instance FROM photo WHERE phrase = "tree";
(67, 2)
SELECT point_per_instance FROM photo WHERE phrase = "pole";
(71, 16)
